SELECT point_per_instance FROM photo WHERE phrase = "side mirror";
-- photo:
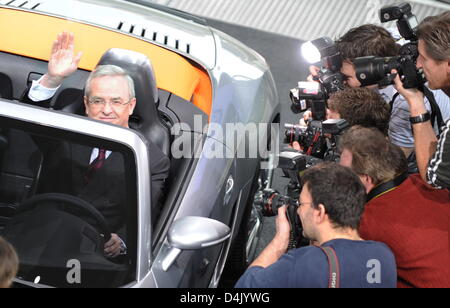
(193, 233)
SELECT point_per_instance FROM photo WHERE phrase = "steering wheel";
(73, 201)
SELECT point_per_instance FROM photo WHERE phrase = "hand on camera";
(296, 146)
(283, 226)
(314, 72)
(409, 94)
(306, 115)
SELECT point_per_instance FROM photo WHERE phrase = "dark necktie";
(95, 165)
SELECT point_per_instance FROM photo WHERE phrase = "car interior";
(156, 112)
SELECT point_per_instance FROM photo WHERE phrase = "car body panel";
(111, 13)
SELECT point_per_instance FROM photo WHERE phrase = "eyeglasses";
(115, 102)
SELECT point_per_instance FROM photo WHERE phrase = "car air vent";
(31, 5)
(154, 36)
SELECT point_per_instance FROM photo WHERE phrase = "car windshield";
(62, 195)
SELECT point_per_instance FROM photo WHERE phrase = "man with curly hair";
(360, 106)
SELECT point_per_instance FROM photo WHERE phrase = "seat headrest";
(145, 117)
(138, 66)
(140, 69)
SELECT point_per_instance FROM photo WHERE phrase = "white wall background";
(302, 19)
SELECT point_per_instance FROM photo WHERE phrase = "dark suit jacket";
(65, 165)
(64, 168)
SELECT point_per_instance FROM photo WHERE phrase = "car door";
(57, 220)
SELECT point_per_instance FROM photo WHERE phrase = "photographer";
(330, 205)
(358, 106)
(433, 156)
(372, 40)
(412, 219)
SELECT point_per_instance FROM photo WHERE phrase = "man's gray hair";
(109, 70)
(434, 31)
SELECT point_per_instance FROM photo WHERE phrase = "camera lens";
(370, 70)
(270, 201)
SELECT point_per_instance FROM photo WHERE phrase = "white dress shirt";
(39, 93)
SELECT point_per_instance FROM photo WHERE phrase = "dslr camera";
(377, 70)
(314, 95)
(328, 80)
(319, 138)
(269, 200)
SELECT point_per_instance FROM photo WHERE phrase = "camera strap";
(391, 103)
(387, 187)
(334, 281)
(435, 110)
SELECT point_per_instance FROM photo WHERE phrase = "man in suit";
(95, 175)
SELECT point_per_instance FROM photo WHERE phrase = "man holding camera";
(360, 106)
(433, 155)
(372, 40)
(402, 211)
(330, 206)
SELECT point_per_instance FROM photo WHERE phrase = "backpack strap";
(333, 262)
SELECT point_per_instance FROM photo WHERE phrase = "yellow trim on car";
(31, 35)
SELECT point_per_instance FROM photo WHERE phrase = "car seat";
(6, 89)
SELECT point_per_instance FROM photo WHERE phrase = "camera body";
(318, 138)
(377, 70)
(329, 79)
(293, 163)
(269, 200)
(314, 95)
(406, 20)
(310, 95)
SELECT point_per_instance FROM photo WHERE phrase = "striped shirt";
(438, 172)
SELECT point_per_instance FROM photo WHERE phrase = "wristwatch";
(420, 118)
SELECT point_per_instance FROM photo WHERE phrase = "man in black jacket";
(93, 174)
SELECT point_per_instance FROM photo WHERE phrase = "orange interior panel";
(31, 34)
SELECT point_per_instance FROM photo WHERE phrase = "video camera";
(377, 70)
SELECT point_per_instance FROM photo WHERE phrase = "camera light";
(310, 52)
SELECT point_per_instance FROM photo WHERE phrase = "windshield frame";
(84, 130)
